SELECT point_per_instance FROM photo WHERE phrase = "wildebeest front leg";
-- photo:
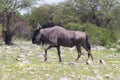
(79, 52)
(58, 49)
(46, 52)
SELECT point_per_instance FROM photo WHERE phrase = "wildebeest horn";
(38, 26)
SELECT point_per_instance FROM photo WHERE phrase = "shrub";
(74, 26)
(105, 37)
(97, 35)
(93, 32)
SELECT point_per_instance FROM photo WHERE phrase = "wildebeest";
(58, 36)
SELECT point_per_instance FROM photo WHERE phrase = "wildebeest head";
(36, 35)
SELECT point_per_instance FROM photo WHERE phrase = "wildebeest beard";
(41, 42)
(40, 39)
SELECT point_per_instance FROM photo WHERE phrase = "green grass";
(33, 66)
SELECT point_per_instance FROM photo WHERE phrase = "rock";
(95, 71)
(30, 69)
(98, 47)
(20, 57)
(65, 78)
(26, 62)
(102, 62)
(98, 77)
(89, 62)
(109, 76)
(72, 63)
(112, 49)
(118, 78)
(49, 76)
(85, 77)
(22, 79)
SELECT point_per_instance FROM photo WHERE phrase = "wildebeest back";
(60, 36)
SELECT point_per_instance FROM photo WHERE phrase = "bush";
(97, 35)
(93, 32)
(74, 26)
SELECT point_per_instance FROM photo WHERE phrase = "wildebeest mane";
(50, 24)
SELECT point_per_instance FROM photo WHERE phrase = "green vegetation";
(9, 10)
(99, 18)
(25, 61)
(97, 35)
(96, 17)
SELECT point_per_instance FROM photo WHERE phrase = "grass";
(34, 68)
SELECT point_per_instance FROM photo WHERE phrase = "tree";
(43, 14)
(98, 12)
(65, 12)
(8, 10)
(59, 14)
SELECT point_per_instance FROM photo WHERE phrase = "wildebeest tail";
(87, 43)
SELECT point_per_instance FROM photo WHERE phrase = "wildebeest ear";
(39, 26)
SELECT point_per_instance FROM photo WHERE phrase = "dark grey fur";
(57, 36)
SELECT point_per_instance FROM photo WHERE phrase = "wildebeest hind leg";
(88, 50)
(46, 52)
(90, 54)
